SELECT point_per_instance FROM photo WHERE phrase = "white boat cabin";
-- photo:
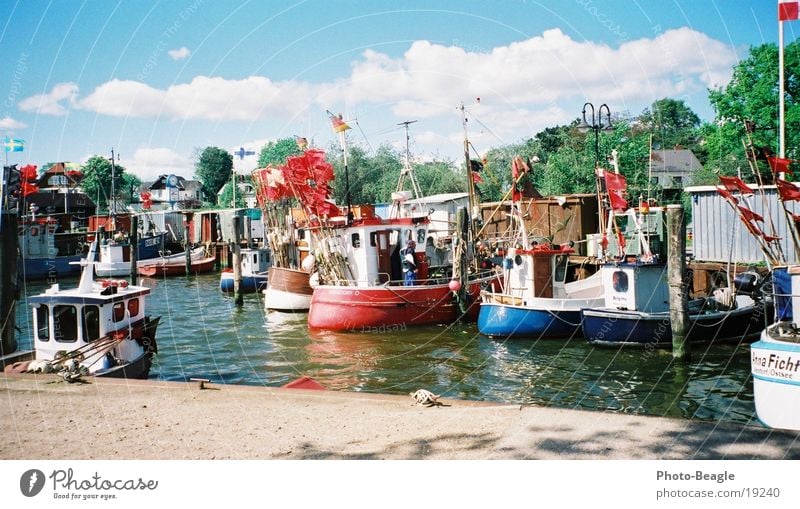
(255, 261)
(69, 320)
(372, 248)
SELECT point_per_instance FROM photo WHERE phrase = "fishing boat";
(39, 256)
(175, 265)
(775, 358)
(115, 254)
(255, 267)
(534, 300)
(99, 328)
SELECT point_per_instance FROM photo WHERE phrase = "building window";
(677, 181)
(91, 323)
(654, 181)
(65, 324)
(43, 323)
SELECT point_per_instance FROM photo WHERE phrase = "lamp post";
(596, 122)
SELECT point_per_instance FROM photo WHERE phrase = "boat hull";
(47, 268)
(176, 269)
(508, 317)
(375, 309)
(289, 290)
(611, 326)
(249, 284)
(776, 382)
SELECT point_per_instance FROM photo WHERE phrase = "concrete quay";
(44, 417)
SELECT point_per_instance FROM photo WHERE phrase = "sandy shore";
(41, 417)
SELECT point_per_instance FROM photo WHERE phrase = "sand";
(46, 418)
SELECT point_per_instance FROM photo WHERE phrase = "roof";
(438, 198)
(161, 183)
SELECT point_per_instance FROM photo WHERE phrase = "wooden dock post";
(238, 298)
(9, 291)
(134, 243)
(188, 244)
(676, 274)
(248, 227)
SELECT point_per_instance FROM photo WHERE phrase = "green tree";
(276, 152)
(129, 185)
(752, 95)
(213, 168)
(671, 122)
(226, 196)
(97, 180)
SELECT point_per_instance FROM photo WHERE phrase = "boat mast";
(474, 209)
(407, 171)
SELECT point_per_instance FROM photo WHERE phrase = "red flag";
(29, 188)
(476, 177)
(339, 125)
(616, 183)
(735, 184)
(787, 10)
(779, 164)
(750, 215)
(787, 190)
(728, 196)
(518, 167)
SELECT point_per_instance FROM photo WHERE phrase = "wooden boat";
(532, 302)
(175, 265)
(99, 328)
(289, 290)
(255, 264)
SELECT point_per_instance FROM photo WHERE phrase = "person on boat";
(409, 264)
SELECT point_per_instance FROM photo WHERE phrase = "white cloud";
(179, 54)
(9, 124)
(149, 163)
(51, 103)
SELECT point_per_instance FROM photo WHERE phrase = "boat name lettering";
(699, 475)
(775, 364)
(150, 242)
(63, 479)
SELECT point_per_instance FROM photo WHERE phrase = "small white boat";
(255, 264)
(99, 328)
(775, 358)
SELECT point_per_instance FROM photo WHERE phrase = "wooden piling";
(248, 231)
(676, 274)
(133, 237)
(188, 247)
(237, 264)
(9, 291)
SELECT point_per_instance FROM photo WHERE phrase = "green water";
(202, 334)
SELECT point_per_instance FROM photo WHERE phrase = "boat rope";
(555, 315)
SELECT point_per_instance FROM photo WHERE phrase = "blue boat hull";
(501, 320)
(249, 284)
(609, 326)
(46, 268)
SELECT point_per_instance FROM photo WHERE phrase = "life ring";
(105, 283)
(34, 231)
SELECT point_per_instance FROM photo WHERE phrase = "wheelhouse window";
(65, 323)
(43, 323)
(421, 236)
(133, 307)
(355, 240)
(118, 311)
(91, 323)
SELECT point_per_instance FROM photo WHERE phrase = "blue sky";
(159, 80)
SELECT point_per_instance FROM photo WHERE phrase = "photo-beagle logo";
(31, 482)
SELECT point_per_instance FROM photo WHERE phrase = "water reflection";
(203, 334)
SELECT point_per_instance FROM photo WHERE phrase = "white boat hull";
(279, 300)
(776, 382)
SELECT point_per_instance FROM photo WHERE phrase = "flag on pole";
(788, 10)
(13, 144)
(339, 125)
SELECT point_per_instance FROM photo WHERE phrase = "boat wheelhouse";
(255, 267)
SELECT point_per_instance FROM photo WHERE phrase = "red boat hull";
(374, 309)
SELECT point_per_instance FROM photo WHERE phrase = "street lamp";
(597, 124)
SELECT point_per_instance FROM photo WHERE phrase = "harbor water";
(204, 335)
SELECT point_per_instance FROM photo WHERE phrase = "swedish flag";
(13, 144)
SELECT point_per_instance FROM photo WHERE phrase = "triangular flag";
(339, 125)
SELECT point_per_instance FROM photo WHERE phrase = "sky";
(158, 81)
